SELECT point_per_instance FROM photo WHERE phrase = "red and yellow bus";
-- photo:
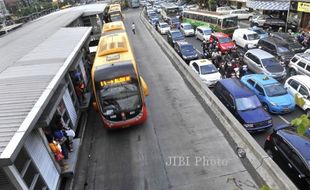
(118, 87)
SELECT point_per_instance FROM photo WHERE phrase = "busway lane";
(277, 119)
(138, 157)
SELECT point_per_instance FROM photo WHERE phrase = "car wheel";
(270, 154)
(265, 106)
(292, 72)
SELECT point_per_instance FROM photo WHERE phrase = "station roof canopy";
(268, 5)
(35, 63)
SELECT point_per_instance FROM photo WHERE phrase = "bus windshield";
(115, 17)
(116, 98)
(230, 22)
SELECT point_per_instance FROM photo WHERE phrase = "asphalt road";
(177, 128)
(277, 119)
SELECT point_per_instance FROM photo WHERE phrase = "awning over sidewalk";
(268, 5)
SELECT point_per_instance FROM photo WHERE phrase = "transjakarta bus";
(118, 87)
(217, 22)
(115, 13)
(169, 10)
(111, 27)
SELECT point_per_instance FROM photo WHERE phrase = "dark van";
(243, 104)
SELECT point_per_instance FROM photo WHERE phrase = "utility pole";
(287, 16)
(3, 10)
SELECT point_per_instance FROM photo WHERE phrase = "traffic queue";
(255, 73)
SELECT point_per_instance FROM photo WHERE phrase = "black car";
(186, 51)
(173, 36)
(292, 153)
(293, 44)
(276, 47)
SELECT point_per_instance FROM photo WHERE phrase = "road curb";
(265, 171)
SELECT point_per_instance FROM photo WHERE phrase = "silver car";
(260, 61)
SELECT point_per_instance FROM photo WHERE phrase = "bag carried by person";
(59, 156)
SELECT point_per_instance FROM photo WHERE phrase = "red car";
(224, 42)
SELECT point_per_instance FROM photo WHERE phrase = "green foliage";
(265, 187)
(196, 23)
(302, 124)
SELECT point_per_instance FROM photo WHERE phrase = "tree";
(302, 123)
(212, 5)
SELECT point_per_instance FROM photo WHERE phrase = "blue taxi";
(270, 92)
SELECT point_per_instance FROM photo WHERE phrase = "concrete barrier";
(262, 168)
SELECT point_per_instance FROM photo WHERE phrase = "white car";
(224, 10)
(207, 72)
(163, 28)
(299, 87)
(203, 33)
(245, 38)
(187, 29)
(242, 14)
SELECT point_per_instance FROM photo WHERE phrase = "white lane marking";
(287, 122)
(198, 51)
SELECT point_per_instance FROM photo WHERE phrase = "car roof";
(201, 62)
(273, 40)
(260, 53)
(281, 34)
(174, 30)
(262, 79)
(236, 88)
(204, 28)
(220, 35)
(300, 143)
(245, 31)
(305, 56)
(182, 43)
(185, 23)
(302, 78)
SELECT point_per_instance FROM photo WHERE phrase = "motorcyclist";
(243, 70)
(229, 70)
(204, 46)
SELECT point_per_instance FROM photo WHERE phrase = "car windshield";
(152, 14)
(275, 89)
(187, 27)
(247, 103)
(164, 25)
(187, 48)
(176, 35)
(259, 31)
(208, 69)
(207, 32)
(119, 97)
(282, 49)
(224, 40)
(253, 37)
(174, 20)
(270, 62)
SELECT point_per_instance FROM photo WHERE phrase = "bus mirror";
(95, 106)
(144, 86)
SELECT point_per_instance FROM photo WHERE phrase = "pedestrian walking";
(133, 28)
